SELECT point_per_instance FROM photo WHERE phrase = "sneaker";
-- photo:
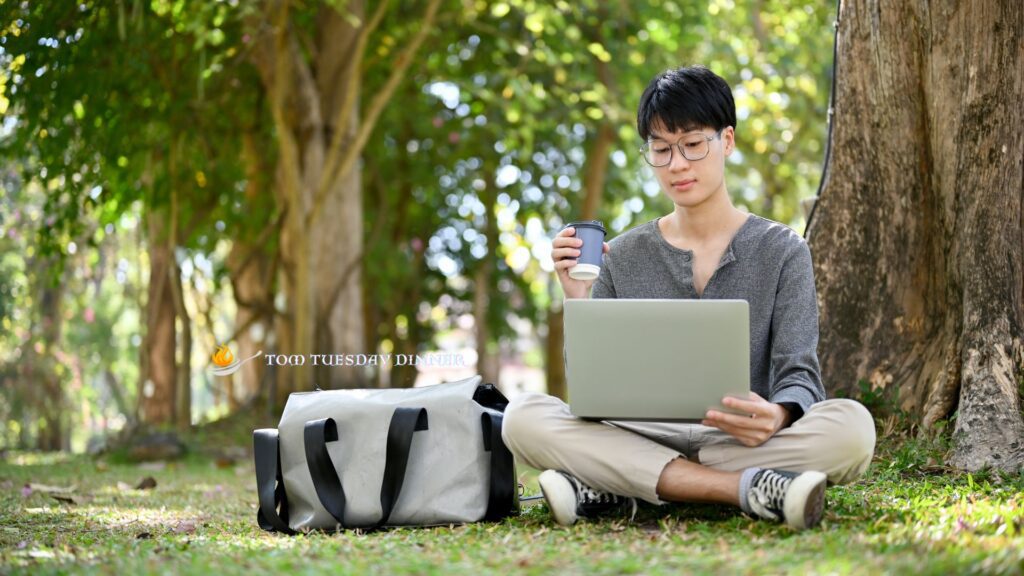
(796, 498)
(569, 498)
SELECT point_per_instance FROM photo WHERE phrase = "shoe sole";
(560, 496)
(805, 500)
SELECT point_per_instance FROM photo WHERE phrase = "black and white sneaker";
(569, 499)
(796, 498)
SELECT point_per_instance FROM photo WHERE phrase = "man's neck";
(705, 222)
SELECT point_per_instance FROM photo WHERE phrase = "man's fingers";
(560, 253)
(759, 407)
(745, 422)
(746, 436)
(564, 264)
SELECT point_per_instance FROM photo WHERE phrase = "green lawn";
(907, 516)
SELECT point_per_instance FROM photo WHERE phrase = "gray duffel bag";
(386, 457)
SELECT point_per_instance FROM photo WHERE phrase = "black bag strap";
(269, 482)
(501, 500)
(316, 434)
(488, 396)
(404, 422)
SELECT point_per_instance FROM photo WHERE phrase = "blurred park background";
(340, 178)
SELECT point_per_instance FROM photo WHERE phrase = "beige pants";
(836, 437)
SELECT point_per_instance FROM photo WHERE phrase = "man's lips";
(684, 184)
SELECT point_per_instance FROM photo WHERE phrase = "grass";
(908, 515)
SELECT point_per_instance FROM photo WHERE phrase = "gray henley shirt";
(768, 265)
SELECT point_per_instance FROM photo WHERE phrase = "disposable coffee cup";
(588, 265)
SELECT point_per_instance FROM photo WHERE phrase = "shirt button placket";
(693, 289)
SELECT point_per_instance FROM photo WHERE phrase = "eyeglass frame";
(676, 146)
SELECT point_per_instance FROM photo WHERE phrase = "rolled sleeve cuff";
(801, 397)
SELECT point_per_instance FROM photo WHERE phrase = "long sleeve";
(603, 287)
(796, 377)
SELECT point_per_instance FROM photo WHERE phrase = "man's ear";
(729, 139)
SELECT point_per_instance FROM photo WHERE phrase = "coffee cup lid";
(587, 224)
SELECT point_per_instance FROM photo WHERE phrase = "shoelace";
(770, 490)
(588, 495)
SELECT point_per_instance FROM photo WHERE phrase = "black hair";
(686, 98)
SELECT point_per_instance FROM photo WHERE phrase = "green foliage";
(115, 111)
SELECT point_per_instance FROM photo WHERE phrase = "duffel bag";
(386, 457)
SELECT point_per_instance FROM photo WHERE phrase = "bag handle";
(404, 422)
(501, 500)
(269, 482)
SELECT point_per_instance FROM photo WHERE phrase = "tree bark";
(250, 267)
(53, 433)
(594, 176)
(183, 368)
(156, 399)
(487, 363)
(917, 237)
(320, 134)
(595, 173)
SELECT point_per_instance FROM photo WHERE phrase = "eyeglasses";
(658, 153)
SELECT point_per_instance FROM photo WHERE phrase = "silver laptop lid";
(637, 359)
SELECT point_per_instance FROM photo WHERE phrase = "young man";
(773, 464)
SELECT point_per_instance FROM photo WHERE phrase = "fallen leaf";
(47, 489)
(185, 527)
(70, 499)
(124, 486)
(147, 483)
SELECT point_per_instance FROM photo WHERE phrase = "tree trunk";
(156, 400)
(322, 242)
(487, 364)
(314, 86)
(52, 433)
(250, 267)
(183, 369)
(594, 176)
(486, 361)
(117, 393)
(252, 286)
(917, 238)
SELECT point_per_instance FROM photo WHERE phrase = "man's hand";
(763, 419)
(565, 249)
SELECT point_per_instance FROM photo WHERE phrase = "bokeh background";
(340, 178)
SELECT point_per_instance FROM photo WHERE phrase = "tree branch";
(348, 104)
(336, 171)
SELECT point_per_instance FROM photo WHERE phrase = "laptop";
(653, 359)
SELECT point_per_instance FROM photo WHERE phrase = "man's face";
(690, 183)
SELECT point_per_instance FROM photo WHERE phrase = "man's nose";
(679, 162)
